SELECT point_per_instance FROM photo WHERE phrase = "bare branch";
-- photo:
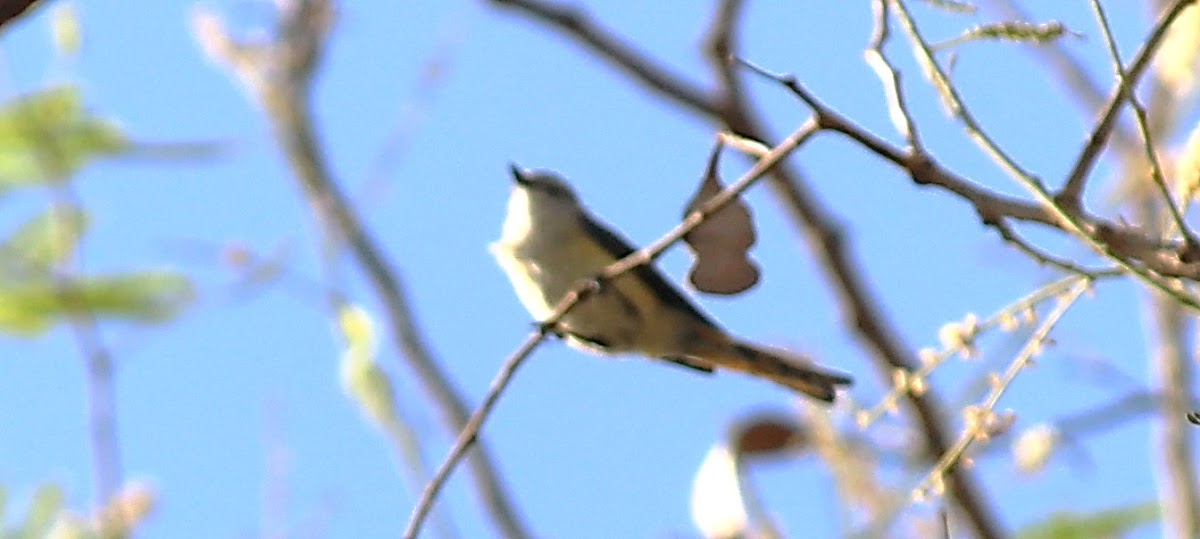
(1117, 243)
(932, 359)
(10, 10)
(1174, 372)
(1040, 256)
(1156, 172)
(470, 431)
(978, 418)
(1072, 191)
(644, 256)
(280, 77)
(572, 23)
(894, 92)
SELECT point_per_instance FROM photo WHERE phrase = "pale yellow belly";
(624, 315)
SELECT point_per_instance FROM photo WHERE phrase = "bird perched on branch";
(550, 242)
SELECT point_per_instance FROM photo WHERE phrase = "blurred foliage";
(1108, 523)
(45, 138)
(48, 136)
(44, 508)
(32, 307)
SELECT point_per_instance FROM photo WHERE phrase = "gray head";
(541, 201)
(544, 185)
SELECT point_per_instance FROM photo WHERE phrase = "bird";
(550, 241)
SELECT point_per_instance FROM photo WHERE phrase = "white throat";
(532, 215)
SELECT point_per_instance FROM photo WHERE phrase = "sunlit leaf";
(953, 6)
(1187, 168)
(72, 526)
(48, 136)
(366, 383)
(151, 296)
(31, 307)
(65, 28)
(357, 328)
(3, 511)
(41, 243)
(1108, 523)
(1018, 31)
(370, 387)
(1179, 56)
(43, 510)
(126, 510)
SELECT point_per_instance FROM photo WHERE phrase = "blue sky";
(241, 396)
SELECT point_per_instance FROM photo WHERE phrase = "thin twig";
(470, 432)
(102, 408)
(280, 77)
(1139, 112)
(976, 431)
(1072, 191)
(107, 470)
(10, 10)
(579, 292)
(890, 78)
(1174, 372)
(1069, 219)
(934, 359)
(1042, 257)
(958, 108)
(572, 22)
(721, 40)
(922, 168)
(761, 167)
(1068, 71)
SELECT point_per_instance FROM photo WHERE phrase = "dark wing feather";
(620, 248)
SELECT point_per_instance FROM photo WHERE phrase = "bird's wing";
(619, 248)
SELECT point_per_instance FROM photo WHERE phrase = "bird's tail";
(793, 373)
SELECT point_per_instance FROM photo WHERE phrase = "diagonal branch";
(280, 76)
(1139, 113)
(1072, 191)
(572, 23)
(11, 10)
(577, 294)
(824, 236)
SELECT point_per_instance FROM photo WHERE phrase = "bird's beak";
(518, 174)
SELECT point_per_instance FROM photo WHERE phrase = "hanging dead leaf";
(767, 435)
(721, 243)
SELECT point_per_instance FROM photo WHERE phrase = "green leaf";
(47, 503)
(28, 309)
(1106, 523)
(32, 307)
(362, 378)
(1018, 31)
(150, 296)
(65, 28)
(48, 136)
(41, 243)
(3, 512)
(953, 6)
